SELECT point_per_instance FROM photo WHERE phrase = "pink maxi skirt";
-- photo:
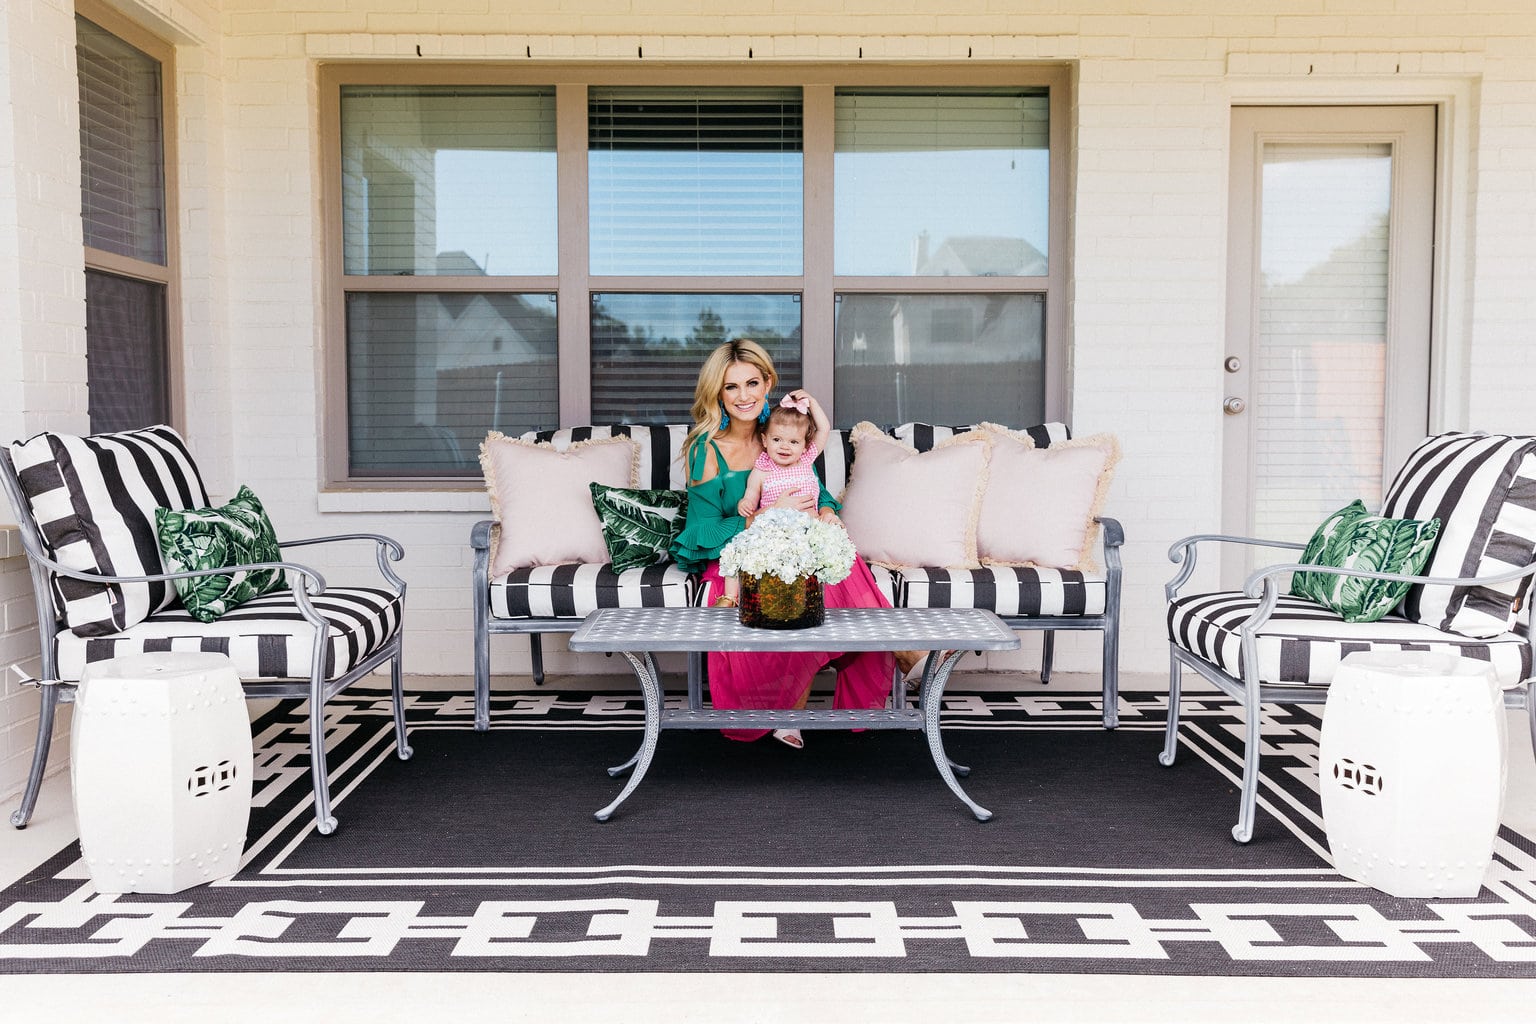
(762, 679)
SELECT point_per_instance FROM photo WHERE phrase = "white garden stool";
(162, 770)
(1412, 771)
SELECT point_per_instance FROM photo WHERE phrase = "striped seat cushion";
(1302, 643)
(1482, 488)
(94, 501)
(266, 637)
(573, 590)
(1006, 590)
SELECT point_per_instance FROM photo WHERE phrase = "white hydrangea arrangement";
(789, 544)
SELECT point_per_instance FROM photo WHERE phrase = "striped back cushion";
(94, 501)
(923, 436)
(659, 445)
(1482, 488)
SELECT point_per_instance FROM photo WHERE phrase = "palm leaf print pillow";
(639, 526)
(1352, 538)
(238, 533)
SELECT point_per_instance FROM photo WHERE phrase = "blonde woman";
(730, 399)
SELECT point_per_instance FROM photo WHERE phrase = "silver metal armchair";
(311, 641)
(1261, 646)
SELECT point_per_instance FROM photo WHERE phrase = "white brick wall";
(1148, 231)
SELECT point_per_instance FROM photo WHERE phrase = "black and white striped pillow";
(94, 500)
(659, 444)
(923, 436)
(1482, 488)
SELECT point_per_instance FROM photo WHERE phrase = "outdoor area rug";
(481, 854)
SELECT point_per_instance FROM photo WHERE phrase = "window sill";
(406, 501)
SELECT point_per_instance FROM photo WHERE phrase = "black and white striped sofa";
(1260, 645)
(554, 599)
(85, 508)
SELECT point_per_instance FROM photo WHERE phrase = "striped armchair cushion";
(573, 590)
(1006, 590)
(1482, 488)
(1302, 643)
(94, 500)
(266, 638)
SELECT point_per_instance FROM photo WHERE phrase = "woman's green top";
(712, 519)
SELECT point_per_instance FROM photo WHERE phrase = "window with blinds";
(123, 202)
(942, 182)
(440, 180)
(430, 373)
(122, 154)
(695, 181)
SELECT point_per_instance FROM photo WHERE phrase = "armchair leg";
(325, 821)
(1047, 656)
(1171, 740)
(47, 712)
(1252, 716)
(397, 685)
(482, 657)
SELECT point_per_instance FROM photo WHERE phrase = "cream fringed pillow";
(1041, 503)
(542, 498)
(906, 509)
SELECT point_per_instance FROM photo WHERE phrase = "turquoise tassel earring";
(762, 417)
(725, 418)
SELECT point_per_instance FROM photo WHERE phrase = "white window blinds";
(695, 181)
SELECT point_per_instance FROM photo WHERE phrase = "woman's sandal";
(725, 601)
(790, 738)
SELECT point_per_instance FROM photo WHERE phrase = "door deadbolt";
(1233, 364)
(1232, 406)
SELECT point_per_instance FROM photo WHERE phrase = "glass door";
(1328, 324)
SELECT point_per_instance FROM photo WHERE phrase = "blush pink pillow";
(541, 499)
(905, 509)
(1040, 503)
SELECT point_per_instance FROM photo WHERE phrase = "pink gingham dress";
(780, 480)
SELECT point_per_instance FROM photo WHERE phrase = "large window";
(124, 199)
(525, 249)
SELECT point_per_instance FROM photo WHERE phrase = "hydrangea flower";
(789, 544)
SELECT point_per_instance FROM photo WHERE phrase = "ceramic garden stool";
(1412, 771)
(161, 755)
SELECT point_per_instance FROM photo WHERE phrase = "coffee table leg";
(650, 690)
(933, 700)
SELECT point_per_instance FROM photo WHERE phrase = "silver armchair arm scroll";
(1183, 553)
(386, 550)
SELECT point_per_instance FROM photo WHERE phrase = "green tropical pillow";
(638, 526)
(238, 533)
(1352, 538)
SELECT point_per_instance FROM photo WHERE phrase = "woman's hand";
(827, 515)
(800, 501)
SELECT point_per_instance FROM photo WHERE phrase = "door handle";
(1233, 405)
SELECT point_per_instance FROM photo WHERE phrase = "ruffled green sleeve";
(712, 520)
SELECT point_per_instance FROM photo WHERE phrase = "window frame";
(574, 284)
(169, 275)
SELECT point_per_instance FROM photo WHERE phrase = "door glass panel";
(1319, 371)
(647, 349)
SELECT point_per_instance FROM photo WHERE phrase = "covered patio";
(345, 239)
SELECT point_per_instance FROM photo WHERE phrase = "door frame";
(1411, 131)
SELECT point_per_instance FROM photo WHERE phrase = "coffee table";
(639, 633)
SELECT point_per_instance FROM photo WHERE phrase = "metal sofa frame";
(485, 625)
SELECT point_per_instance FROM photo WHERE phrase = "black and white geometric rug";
(481, 854)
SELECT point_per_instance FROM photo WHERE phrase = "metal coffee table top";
(845, 629)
